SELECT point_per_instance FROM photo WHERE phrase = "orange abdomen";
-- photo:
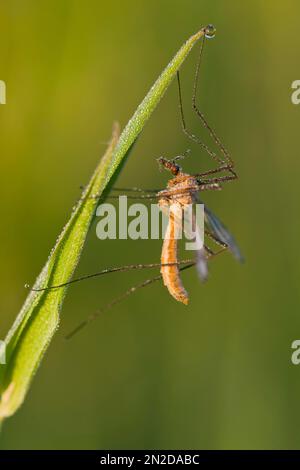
(171, 274)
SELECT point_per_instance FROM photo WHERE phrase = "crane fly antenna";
(119, 299)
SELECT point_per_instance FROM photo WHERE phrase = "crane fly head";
(169, 165)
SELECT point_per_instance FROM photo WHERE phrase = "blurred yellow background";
(152, 373)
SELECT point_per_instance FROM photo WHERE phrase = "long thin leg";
(215, 239)
(147, 282)
(212, 253)
(220, 179)
(201, 115)
(226, 163)
(108, 271)
(218, 170)
(191, 136)
(111, 304)
(118, 300)
(136, 190)
(113, 196)
(209, 184)
(130, 267)
(211, 172)
(150, 196)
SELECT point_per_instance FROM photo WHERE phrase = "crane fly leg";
(119, 299)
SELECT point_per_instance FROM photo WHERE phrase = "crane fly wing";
(201, 264)
(201, 254)
(221, 232)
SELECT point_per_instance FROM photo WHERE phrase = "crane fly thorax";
(181, 190)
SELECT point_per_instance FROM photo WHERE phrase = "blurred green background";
(152, 373)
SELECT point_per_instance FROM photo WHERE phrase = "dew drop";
(210, 31)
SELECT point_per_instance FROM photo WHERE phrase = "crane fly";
(182, 189)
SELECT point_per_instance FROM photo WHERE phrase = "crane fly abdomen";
(169, 269)
(179, 194)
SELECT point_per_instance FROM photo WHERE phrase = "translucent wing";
(221, 232)
(213, 223)
(201, 264)
(201, 254)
